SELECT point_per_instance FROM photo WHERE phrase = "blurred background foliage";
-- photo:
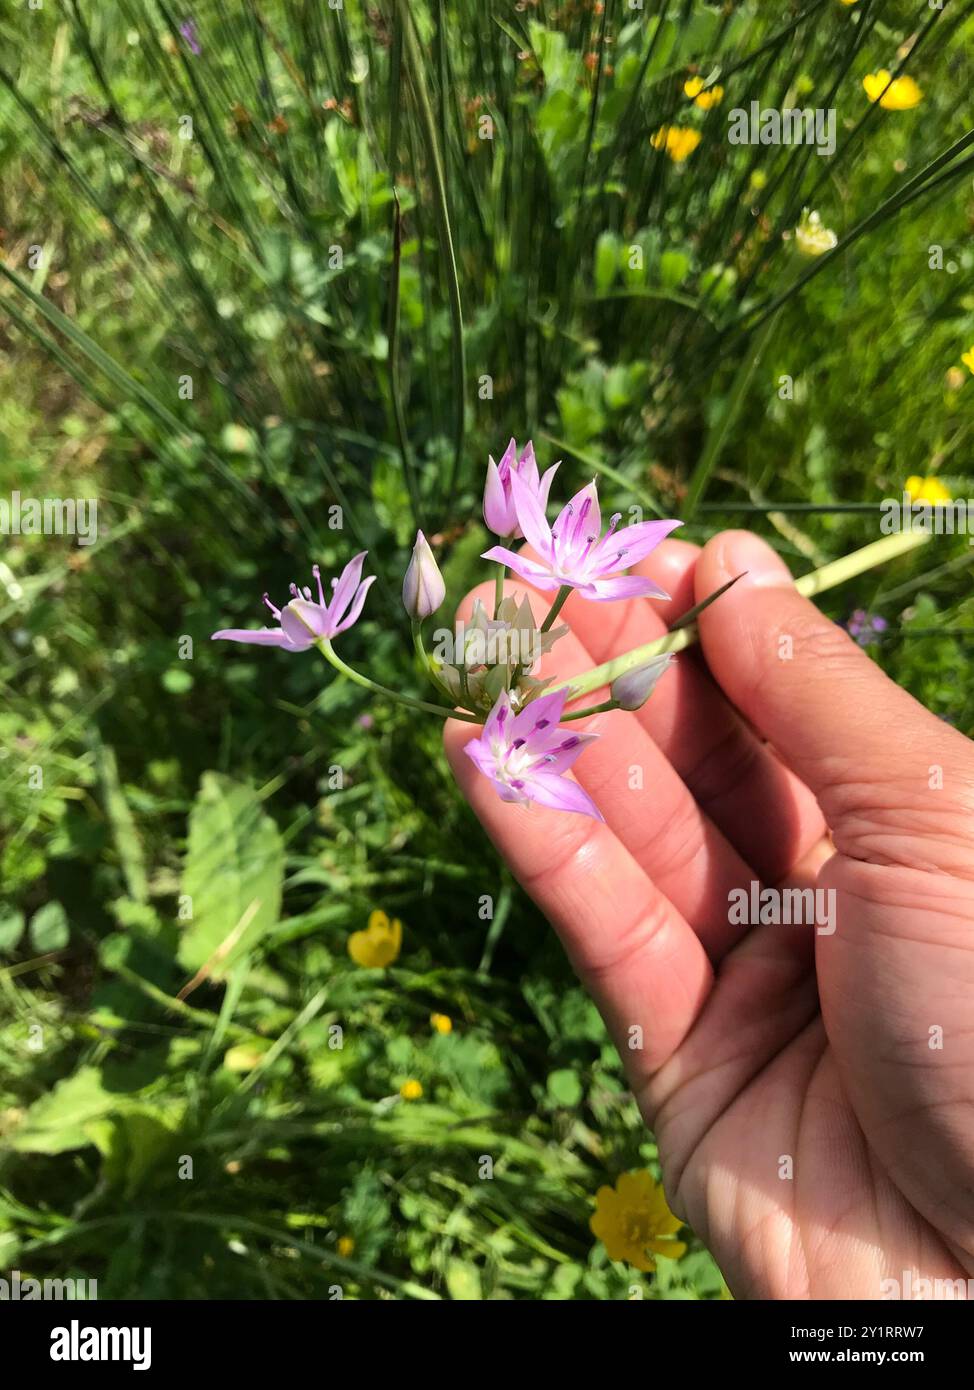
(276, 278)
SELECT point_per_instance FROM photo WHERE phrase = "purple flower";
(526, 755)
(865, 627)
(188, 31)
(302, 622)
(572, 552)
(499, 510)
(423, 587)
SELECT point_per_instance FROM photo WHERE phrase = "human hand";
(812, 1093)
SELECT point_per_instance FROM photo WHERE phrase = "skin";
(765, 1044)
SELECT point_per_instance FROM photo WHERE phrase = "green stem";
(556, 607)
(828, 577)
(592, 709)
(499, 588)
(330, 655)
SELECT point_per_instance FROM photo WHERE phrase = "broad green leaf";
(49, 929)
(234, 868)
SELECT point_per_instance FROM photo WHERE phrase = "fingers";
(638, 957)
(895, 783)
(765, 811)
(647, 806)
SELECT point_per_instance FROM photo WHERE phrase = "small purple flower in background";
(865, 627)
(188, 31)
(499, 510)
(365, 721)
(573, 553)
(526, 755)
(303, 622)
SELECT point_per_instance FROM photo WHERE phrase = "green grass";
(368, 298)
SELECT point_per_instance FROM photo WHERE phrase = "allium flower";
(679, 142)
(303, 622)
(485, 653)
(900, 95)
(632, 690)
(423, 587)
(634, 1223)
(526, 755)
(572, 552)
(499, 511)
(811, 237)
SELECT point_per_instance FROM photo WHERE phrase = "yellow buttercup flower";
(441, 1023)
(968, 359)
(379, 945)
(679, 142)
(849, 2)
(926, 489)
(634, 1223)
(411, 1090)
(706, 100)
(901, 95)
(346, 1246)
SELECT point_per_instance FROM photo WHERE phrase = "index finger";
(636, 955)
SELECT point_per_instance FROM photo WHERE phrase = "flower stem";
(556, 607)
(592, 709)
(444, 711)
(499, 589)
(828, 577)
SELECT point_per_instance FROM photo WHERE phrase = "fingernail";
(741, 552)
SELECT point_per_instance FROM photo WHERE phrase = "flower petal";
(560, 793)
(356, 608)
(257, 637)
(625, 586)
(636, 542)
(530, 515)
(345, 588)
(528, 570)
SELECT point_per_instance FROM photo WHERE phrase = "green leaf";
(11, 928)
(49, 929)
(607, 250)
(565, 1087)
(234, 866)
(56, 1122)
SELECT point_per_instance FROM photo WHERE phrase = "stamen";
(542, 724)
(316, 572)
(571, 742)
(275, 611)
(518, 743)
(293, 591)
(307, 593)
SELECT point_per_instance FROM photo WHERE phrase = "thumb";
(895, 783)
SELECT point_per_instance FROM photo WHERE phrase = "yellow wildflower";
(706, 100)
(811, 238)
(968, 359)
(411, 1090)
(634, 1223)
(441, 1023)
(346, 1246)
(901, 95)
(926, 489)
(849, 2)
(679, 142)
(379, 945)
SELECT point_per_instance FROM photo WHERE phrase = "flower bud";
(423, 589)
(633, 689)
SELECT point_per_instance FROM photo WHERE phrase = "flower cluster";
(489, 674)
